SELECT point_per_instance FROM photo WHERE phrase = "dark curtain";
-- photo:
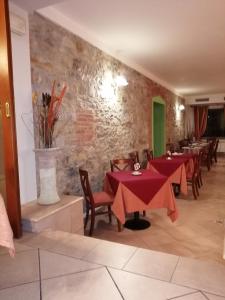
(200, 116)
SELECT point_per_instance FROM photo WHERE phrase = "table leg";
(136, 223)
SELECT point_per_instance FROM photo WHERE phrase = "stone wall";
(92, 130)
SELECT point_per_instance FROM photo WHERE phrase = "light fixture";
(181, 107)
(121, 80)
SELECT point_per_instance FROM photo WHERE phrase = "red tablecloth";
(189, 163)
(174, 169)
(144, 186)
(137, 193)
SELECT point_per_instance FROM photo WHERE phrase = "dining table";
(6, 234)
(139, 191)
(195, 148)
(189, 160)
(172, 167)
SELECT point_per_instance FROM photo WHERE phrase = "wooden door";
(7, 119)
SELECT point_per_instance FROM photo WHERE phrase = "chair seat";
(102, 197)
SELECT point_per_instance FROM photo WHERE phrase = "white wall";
(23, 106)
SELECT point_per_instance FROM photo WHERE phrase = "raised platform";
(66, 215)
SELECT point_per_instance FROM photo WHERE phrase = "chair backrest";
(183, 143)
(121, 164)
(86, 186)
(134, 156)
(148, 154)
(211, 146)
(170, 147)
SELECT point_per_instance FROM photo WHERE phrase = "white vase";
(47, 172)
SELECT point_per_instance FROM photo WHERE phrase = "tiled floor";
(99, 270)
(199, 231)
(59, 265)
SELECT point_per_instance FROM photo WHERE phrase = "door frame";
(8, 123)
(160, 100)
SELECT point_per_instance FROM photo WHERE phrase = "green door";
(158, 128)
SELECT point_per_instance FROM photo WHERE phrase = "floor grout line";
(72, 273)
(204, 295)
(20, 284)
(115, 283)
(39, 265)
(184, 295)
(175, 269)
(147, 276)
(100, 242)
(129, 259)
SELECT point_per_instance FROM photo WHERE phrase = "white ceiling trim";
(57, 17)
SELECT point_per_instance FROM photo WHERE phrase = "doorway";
(158, 126)
(9, 179)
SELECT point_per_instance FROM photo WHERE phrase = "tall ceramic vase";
(47, 172)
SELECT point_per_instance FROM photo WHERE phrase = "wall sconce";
(121, 80)
(181, 107)
(110, 85)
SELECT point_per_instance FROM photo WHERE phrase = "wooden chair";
(122, 164)
(148, 154)
(134, 156)
(214, 152)
(170, 147)
(199, 170)
(183, 143)
(95, 200)
(208, 154)
(193, 180)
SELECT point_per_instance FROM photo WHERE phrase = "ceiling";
(179, 42)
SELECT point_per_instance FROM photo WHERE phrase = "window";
(215, 123)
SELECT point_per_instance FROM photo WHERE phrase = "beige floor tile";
(155, 238)
(110, 254)
(130, 240)
(95, 285)
(44, 240)
(153, 264)
(213, 297)
(179, 249)
(53, 265)
(18, 247)
(75, 245)
(24, 268)
(206, 276)
(194, 296)
(135, 287)
(22, 292)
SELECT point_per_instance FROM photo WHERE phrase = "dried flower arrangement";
(47, 114)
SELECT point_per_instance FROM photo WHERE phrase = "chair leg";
(198, 182)
(200, 178)
(196, 186)
(119, 225)
(110, 214)
(92, 221)
(208, 164)
(87, 215)
(215, 157)
(194, 190)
